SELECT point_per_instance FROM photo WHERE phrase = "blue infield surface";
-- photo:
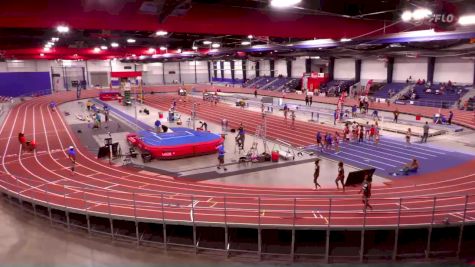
(390, 155)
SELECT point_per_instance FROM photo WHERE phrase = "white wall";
(238, 69)
(171, 67)
(280, 67)
(227, 70)
(153, 73)
(373, 69)
(250, 69)
(344, 69)
(454, 69)
(405, 67)
(264, 68)
(298, 67)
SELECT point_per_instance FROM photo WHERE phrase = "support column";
(215, 69)
(272, 67)
(257, 68)
(209, 71)
(430, 69)
(244, 70)
(331, 68)
(308, 65)
(231, 63)
(389, 69)
(357, 70)
(289, 68)
(163, 73)
(221, 63)
(179, 72)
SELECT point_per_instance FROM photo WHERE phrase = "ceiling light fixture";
(178, 50)
(42, 55)
(250, 36)
(114, 44)
(54, 39)
(130, 41)
(151, 50)
(141, 57)
(161, 33)
(97, 50)
(163, 48)
(103, 47)
(215, 45)
(48, 45)
(207, 42)
(194, 48)
(284, 3)
(467, 20)
(46, 49)
(406, 15)
(421, 13)
(245, 43)
(62, 29)
(345, 39)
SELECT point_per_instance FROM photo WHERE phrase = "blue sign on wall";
(24, 83)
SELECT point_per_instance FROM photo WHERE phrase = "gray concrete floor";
(27, 240)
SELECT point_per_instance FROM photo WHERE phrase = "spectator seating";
(277, 84)
(389, 90)
(335, 87)
(227, 80)
(262, 82)
(427, 96)
(291, 86)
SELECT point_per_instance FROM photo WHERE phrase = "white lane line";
(110, 186)
(43, 184)
(376, 150)
(369, 160)
(408, 148)
(373, 155)
(345, 158)
(416, 146)
(402, 206)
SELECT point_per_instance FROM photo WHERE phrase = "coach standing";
(425, 135)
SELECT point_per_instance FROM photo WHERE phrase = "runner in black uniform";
(341, 176)
(366, 189)
(316, 174)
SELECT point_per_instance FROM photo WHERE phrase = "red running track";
(100, 188)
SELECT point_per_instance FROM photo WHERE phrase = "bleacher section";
(389, 90)
(436, 95)
(227, 80)
(291, 86)
(335, 87)
(277, 84)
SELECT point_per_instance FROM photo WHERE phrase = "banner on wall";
(368, 86)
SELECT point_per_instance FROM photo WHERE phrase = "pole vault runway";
(104, 189)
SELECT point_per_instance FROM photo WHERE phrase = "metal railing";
(241, 210)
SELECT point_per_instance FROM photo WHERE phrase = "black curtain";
(215, 69)
(430, 69)
(221, 63)
(257, 68)
(389, 69)
(209, 71)
(272, 67)
(232, 69)
(357, 70)
(331, 68)
(244, 70)
(308, 65)
(289, 68)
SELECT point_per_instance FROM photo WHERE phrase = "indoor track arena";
(231, 132)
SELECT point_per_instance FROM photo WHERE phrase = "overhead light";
(284, 3)
(161, 33)
(406, 15)
(62, 29)
(46, 49)
(315, 57)
(155, 56)
(345, 40)
(467, 20)
(42, 55)
(114, 44)
(421, 13)
(54, 39)
(130, 41)
(215, 45)
(194, 48)
(151, 50)
(97, 50)
(48, 45)
(103, 47)
(245, 43)
(163, 48)
(178, 50)
(141, 57)
(207, 42)
(250, 36)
